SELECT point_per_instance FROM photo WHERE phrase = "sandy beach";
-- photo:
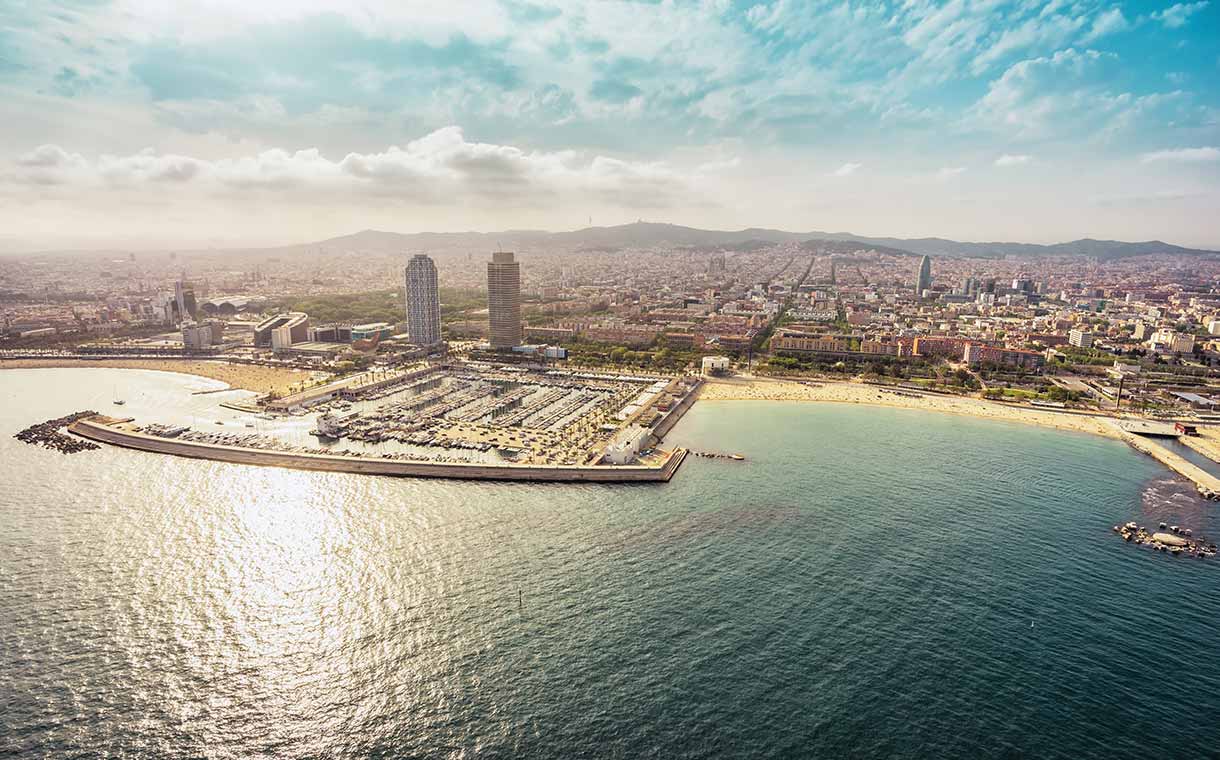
(249, 377)
(768, 389)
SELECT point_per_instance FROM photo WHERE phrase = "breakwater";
(1207, 484)
(107, 430)
(47, 434)
(674, 415)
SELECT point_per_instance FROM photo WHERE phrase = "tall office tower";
(423, 301)
(184, 300)
(925, 276)
(504, 300)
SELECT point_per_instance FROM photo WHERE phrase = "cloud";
(442, 166)
(1109, 22)
(1176, 16)
(1064, 97)
(1182, 156)
(614, 92)
(949, 172)
(846, 170)
(1012, 160)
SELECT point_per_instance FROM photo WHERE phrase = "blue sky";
(229, 121)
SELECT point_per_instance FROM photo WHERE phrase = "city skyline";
(1003, 121)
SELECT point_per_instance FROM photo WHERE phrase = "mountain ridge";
(645, 234)
(658, 233)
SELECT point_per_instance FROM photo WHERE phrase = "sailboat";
(118, 401)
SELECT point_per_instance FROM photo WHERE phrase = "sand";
(768, 389)
(251, 377)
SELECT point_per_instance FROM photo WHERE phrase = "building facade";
(504, 300)
(924, 281)
(423, 301)
(1081, 338)
(296, 322)
(979, 353)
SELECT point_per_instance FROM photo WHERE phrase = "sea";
(868, 583)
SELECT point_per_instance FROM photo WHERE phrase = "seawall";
(675, 415)
(1207, 484)
(108, 432)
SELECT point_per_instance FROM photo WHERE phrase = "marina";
(459, 420)
(255, 452)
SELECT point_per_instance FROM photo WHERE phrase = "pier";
(123, 433)
(1208, 485)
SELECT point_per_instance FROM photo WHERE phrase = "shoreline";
(250, 377)
(840, 392)
(768, 389)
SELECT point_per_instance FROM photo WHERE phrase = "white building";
(1170, 341)
(715, 365)
(423, 301)
(627, 444)
(197, 336)
(281, 338)
(1080, 338)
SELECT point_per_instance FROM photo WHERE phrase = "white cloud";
(1065, 95)
(1108, 22)
(846, 170)
(1176, 15)
(442, 166)
(949, 172)
(1182, 156)
(1012, 160)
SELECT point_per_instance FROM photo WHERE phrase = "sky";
(195, 123)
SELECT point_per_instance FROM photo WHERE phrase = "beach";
(250, 377)
(770, 389)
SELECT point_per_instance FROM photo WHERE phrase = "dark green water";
(871, 583)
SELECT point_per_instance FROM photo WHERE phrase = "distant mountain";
(648, 234)
(833, 245)
(645, 234)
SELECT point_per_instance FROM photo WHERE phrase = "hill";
(648, 234)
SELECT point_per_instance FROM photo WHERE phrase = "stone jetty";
(49, 434)
(1176, 541)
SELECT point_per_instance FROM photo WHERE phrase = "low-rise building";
(715, 365)
(980, 353)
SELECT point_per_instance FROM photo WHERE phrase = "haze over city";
(198, 124)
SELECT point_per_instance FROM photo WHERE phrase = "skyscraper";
(504, 300)
(423, 301)
(925, 276)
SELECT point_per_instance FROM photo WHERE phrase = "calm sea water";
(870, 583)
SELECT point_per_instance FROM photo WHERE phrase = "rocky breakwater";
(1170, 539)
(50, 434)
